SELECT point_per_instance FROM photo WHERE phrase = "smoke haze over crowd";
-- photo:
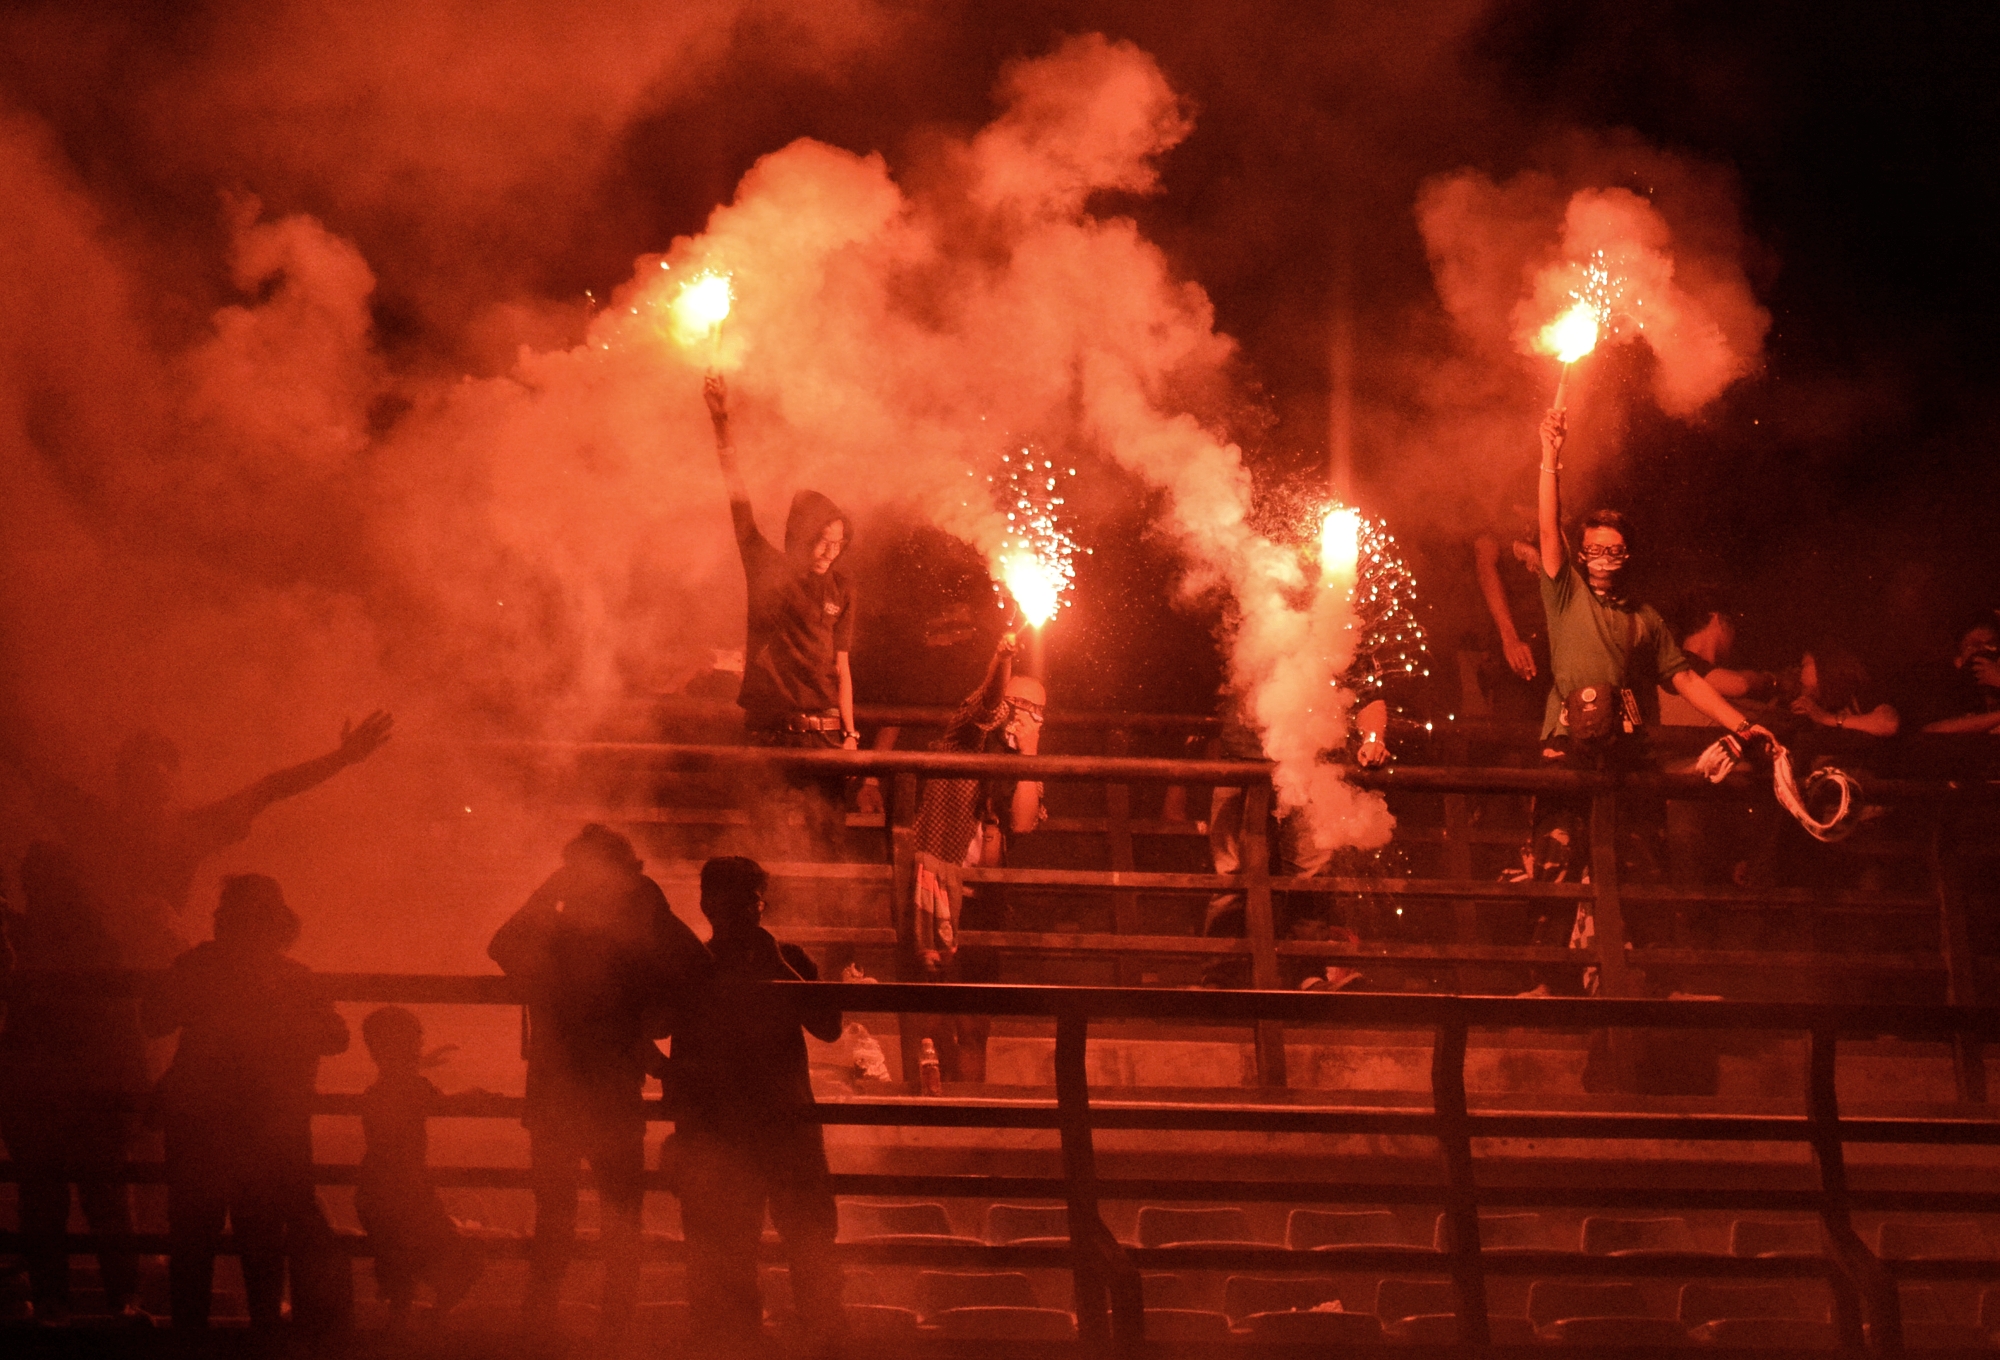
(331, 370)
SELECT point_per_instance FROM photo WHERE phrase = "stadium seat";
(1501, 1232)
(1161, 1226)
(1441, 1329)
(1616, 1331)
(1768, 1333)
(1034, 1223)
(1314, 1327)
(1549, 1300)
(940, 1291)
(1786, 1237)
(1186, 1325)
(1703, 1301)
(899, 1224)
(1004, 1324)
(1171, 1292)
(1414, 1298)
(1604, 1236)
(1310, 1229)
(1934, 1240)
(879, 1322)
(1243, 1295)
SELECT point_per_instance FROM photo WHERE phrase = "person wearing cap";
(237, 1105)
(798, 688)
(962, 824)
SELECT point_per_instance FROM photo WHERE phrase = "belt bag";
(1598, 713)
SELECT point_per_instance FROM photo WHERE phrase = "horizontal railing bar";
(1148, 769)
(1203, 1006)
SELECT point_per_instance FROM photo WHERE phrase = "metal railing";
(1109, 1304)
(1952, 970)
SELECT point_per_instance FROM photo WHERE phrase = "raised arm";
(1486, 565)
(1966, 723)
(1548, 495)
(716, 393)
(357, 743)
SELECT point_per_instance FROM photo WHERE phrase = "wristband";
(1557, 468)
(1742, 727)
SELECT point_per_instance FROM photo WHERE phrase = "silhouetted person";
(237, 1105)
(798, 689)
(745, 1136)
(72, 1068)
(140, 851)
(413, 1237)
(601, 955)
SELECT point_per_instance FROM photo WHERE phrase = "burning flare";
(701, 307)
(1034, 584)
(1340, 545)
(1572, 335)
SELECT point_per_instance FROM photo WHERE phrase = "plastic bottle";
(930, 1075)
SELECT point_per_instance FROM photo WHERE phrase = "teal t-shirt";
(1596, 641)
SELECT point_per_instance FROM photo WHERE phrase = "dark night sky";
(1849, 487)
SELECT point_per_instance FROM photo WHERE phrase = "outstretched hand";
(1520, 658)
(1555, 431)
(716, 393)
(357, 743)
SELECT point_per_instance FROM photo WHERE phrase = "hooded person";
(798, 689)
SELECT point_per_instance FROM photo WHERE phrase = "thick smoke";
(1505, 258)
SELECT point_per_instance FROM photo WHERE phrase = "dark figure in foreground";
(1977, 660)
(413, 1238)
(960, 824)
(237, 1104)
(798, 689)
(745, 1137)
(140, 851)
(72, 1070)
(601, 956)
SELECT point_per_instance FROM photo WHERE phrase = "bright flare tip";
(1035, 588)
(1572, 335)
(702, 305)
(1340, 543)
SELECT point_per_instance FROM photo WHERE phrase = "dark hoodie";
(739, 1053)
(798, 620)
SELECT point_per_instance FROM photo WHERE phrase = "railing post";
(1260, 925)
(1458, 864)
(1961, 969)
(1607, 908)
(1862, 1276)
(1118, 831)
(902, 904)
(1101, 1271)
(1454, 1135)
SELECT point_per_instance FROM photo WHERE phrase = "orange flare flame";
(701, 307)
(1035, 588)
(1340, 545)
(1572, 335)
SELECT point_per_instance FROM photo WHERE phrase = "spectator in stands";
(413, 1238)
(745, 1133)
(960, 824)
(1706, 628)
(798, 688)
(1507, 560)
(601, 957)
(140, 851)
(1834, 693)
(1978, 661)
(237, 1105)
(72, 1069)
(1610, 656)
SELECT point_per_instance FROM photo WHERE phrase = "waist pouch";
(1597, 713)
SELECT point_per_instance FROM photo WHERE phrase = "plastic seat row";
(1329, 1230)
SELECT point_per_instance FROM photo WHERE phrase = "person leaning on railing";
(960, 824)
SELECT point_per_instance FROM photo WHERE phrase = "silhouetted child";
(237, 1105)
(414, 1239)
